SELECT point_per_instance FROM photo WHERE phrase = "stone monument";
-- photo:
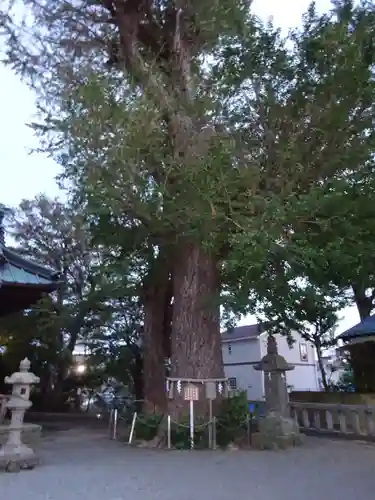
(276, 429)
(14, 454)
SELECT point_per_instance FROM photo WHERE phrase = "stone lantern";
(277, 429)
(15, 453)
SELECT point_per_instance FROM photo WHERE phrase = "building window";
(303, 352)
(232, 383)
(229, 348)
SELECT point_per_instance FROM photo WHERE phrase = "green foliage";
(258, 147)
(322, 205)
(346, 382)
(35, 334)
(118, 358)
(180, 434)
(288, 94)
(94, 305)
(231, 425)
(56, 235)
(147, 426)
(232, 420)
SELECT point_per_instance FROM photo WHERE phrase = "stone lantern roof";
(24, 376)
(272, 361)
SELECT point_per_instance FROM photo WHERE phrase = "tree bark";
(155, 337)
(137, 376)
(195, 339)
(363, 302)
(322, 367)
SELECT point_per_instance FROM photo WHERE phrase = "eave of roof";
(365, 328)
(240, 333)
(17, 270)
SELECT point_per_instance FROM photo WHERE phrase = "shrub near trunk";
(232, 421)
(146, 426)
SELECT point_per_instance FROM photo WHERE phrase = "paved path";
(87, 466)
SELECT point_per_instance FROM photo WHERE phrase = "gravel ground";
(85, 465)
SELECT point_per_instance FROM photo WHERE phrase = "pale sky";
(24, 175)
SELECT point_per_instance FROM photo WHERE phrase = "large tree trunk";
(322, 367)
(159, 56)
(363, 302)
(195, 338)
(156, 334)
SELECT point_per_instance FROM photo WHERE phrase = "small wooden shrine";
(22, 282)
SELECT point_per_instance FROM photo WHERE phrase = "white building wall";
(304, 377)
(248, 380)
(239, 359)
(242, 351)
(240, 356)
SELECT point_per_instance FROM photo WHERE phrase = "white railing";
(345, 420)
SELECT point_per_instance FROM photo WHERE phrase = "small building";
(244, 346)
(359, 341)
(22, 281)
(22, 284)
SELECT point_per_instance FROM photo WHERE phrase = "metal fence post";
(169, 444)
(210, 441)
(191, 424)
(132, 428)
(248, 428)
(115, 417)
(110, 423)
(214, 433)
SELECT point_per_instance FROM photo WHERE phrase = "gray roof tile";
(243, 332)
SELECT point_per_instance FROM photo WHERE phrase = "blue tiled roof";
(17, 270)
(362, 329)
(16, 275)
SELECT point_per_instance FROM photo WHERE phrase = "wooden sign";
(210, 390)
(171, 391)
(191, 392)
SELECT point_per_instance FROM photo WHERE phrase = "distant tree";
(55, 235)
(221, 140)
(346, 382)
(317, 316)
(306, 309)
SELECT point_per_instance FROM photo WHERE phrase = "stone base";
(276, 432)
(23, 457)
(13, 459)
(31, 434)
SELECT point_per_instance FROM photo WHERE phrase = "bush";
(345, 382)
(146, 426)
(180, 435)
(231, 425)
(232, 420)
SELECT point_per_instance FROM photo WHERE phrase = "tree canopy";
(203, 147)
(94, 305)
(295, 120)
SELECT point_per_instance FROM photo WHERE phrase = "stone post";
(277, 429)
(14, 453)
